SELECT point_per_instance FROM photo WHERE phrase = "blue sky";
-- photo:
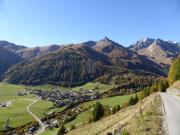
(43, 22)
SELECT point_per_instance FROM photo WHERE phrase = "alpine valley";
(74, 88)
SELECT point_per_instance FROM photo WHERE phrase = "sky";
(43, 22)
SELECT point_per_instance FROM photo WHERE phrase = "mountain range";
(84, 62)
(30, 53)
(159, 50)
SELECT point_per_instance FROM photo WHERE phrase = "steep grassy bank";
(124, 118)
(149, 121)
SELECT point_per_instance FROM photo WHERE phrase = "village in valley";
(64, 98)
(95, 67)
(68, 99)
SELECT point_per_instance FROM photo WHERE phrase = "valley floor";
(18, 112)
(146, 117)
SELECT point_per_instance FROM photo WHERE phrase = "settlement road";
(42, 126)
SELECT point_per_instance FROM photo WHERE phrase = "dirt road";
(42, 126)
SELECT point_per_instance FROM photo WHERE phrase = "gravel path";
(42, 126)
(171, 104)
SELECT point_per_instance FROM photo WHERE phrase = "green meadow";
(8, 91)
(41, 107)
(16, 113)
(112, 101)
(42, 87)
(96, 86)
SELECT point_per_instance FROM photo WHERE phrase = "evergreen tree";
(98, 111)
(113, 110)
(131, 101)
(118, 107)
(163, 85)
(136, 99)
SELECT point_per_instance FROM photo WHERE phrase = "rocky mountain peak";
(106, 40)
(141, 44)
(107, 46)
(146, 39)
(157, 49)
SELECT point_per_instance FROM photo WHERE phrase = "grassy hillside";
(80, 119)
(112, 101)
(84, 116)
(124, 118)
(150, 122)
